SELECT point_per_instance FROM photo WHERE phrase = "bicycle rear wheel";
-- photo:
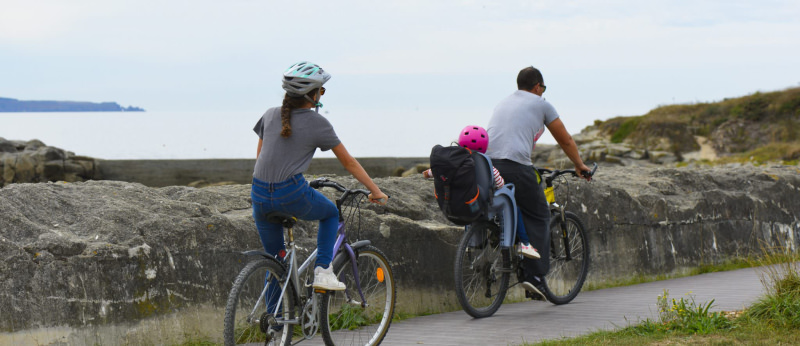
(246, 315)
(481, 280)
(569, 259)
(344, 318)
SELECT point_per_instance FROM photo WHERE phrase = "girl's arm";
(498, 179)
(351, 165)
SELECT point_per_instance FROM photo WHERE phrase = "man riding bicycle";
(514, 126)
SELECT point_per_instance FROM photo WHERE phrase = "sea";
(222, 135)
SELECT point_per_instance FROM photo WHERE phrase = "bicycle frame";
(262, 301)
(555, 208)
(294, 273)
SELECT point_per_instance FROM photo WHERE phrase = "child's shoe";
(324, 279)
(528, 251)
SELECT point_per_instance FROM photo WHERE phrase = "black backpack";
(462, 182)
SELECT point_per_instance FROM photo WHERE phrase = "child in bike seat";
(288, 136)
(475, 138)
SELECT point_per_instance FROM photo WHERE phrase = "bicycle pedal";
(320, 291)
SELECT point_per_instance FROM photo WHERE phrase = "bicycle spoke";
(567, 271)
(246, 311)
(345, 323)
(480, 286)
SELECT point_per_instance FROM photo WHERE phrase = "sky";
(599, 59)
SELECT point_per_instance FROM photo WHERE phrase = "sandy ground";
(706, 151)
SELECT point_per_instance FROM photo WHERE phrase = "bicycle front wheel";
(246, 315)
(481, 277)
(346, 318)
(569, 258)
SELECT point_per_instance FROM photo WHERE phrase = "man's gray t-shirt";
(514, 124)
(282, 158)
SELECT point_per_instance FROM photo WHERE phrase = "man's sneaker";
(324, 279)
(528, 251)
(533, 292)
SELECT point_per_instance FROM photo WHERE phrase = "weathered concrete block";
(92, 255)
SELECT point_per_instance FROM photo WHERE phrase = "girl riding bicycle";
(288, 137)
(476, 138)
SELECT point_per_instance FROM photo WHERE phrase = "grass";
(731, 264)
(772, 320)
(671, 127)
(625, 129)
(789, 153)
(351, 317)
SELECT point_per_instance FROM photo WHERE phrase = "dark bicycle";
(569, 242)
(486, 256)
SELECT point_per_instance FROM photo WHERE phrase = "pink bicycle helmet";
(474, 138)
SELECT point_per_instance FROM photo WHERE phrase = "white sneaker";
(528, 251)
(324, 279)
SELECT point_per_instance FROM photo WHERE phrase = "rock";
(204, 183)
(617, 150)
(398, 171)
(637, 154)
(33, 161)
(95, 253)
(415, 170)
(738, 135)
(6, 146)
(613, 159)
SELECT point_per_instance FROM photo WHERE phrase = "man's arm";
(564, 139)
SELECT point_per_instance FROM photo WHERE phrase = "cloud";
(208, 47)
(25, 21)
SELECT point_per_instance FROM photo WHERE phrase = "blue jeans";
(294, 196)
(521, 233)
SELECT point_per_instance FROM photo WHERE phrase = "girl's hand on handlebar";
(378, 198)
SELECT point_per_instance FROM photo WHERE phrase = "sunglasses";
(321, 91)
(544, 87)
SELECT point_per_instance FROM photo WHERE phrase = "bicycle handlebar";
(556, 173)
(325, 182)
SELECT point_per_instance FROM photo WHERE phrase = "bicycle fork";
(356, 278)
(564, 236)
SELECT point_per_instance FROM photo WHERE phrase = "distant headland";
(14, 105)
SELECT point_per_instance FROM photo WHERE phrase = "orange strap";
(474, 198)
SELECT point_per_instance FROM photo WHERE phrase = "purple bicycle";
(359, 315)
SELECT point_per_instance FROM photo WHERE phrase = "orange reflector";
(379, 274)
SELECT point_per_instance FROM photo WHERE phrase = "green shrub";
(625, 130)
(780, 307)
(683, 316)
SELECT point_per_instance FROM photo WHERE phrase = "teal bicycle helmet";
(303, 77)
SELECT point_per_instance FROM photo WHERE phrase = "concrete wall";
(158, 173)
(640, 221)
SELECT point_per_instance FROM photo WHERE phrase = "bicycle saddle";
(284, 219)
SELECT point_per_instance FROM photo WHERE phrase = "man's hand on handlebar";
(585, 171)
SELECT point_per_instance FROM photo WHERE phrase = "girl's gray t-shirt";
(514, 125)
(282, 158)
